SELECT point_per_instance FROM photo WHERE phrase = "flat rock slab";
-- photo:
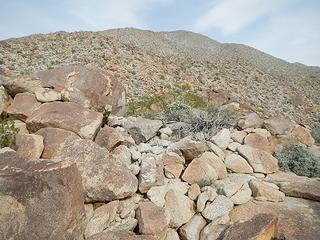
(94, 85)
(120, 235)
(104, 177)
(40, 199)
(261, 226)
(23, 105)
(68, 116)
(297, 218)
(142, 129)
(54, 140)
(261, 161)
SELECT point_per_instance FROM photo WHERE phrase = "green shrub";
(296, 158)
(316, 135)
(7, 132)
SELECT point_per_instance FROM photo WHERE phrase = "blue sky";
(288, 29)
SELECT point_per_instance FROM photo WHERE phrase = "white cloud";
(232, 16)
(294, 37)
(104, 14)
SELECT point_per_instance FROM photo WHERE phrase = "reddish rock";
(173, 165)
(39, 199)
(152, 219)
(301, 135)
(54, 140)
(93, 84)
(29, 145)
(265, 191)
(191, 149)
(260, 161)
(260, 227)
(237, 164)
(111, 138)
(104, 177)
(257, 141)
(68, 116)
(297, 218)
(23, 105)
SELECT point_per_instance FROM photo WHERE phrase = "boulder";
(220, 207)
(47, 95)
(208, 194)
(29, 145)
(233, 146)
(120, 235)
(251, 120)
(297, 218)
(200, 172)
(173, 165)
(111, 138)
(266, 192)
(260, 161)
(213, 231)
(54, 140)
(152, 219)
(181, 213)
(222, 139)
(157, 194)
(191, 230)
(20, 83)
(258, 141)
(21, 126)
(104, 178)
(123, 155)
(172, 235)
(301, 135)
(194, 191)
(261, 226)
(238, 136)
(40, 199)
(101, 219)
(278, 125)
(216, 150)
(238, 192)
(296, 186)
(237, 164)
(23, 105)
(93, 84)
(191, 149)
(151, 172)
(68, 116)
(142, 129)
(205, 169)
(5, 100)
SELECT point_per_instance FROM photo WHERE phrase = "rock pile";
(78, 173)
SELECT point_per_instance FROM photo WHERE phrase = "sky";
(287, 29)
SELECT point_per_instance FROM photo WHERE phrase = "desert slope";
(148, 62)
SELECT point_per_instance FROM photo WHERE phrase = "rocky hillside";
(147, 62)
(71, 167)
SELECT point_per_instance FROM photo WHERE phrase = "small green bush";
(316, 135)
(8, 132)
(296, 158)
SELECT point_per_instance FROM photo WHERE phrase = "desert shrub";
(198, 123)
(316, 135)
(296, 158)
(8, 132)
(150, 106)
